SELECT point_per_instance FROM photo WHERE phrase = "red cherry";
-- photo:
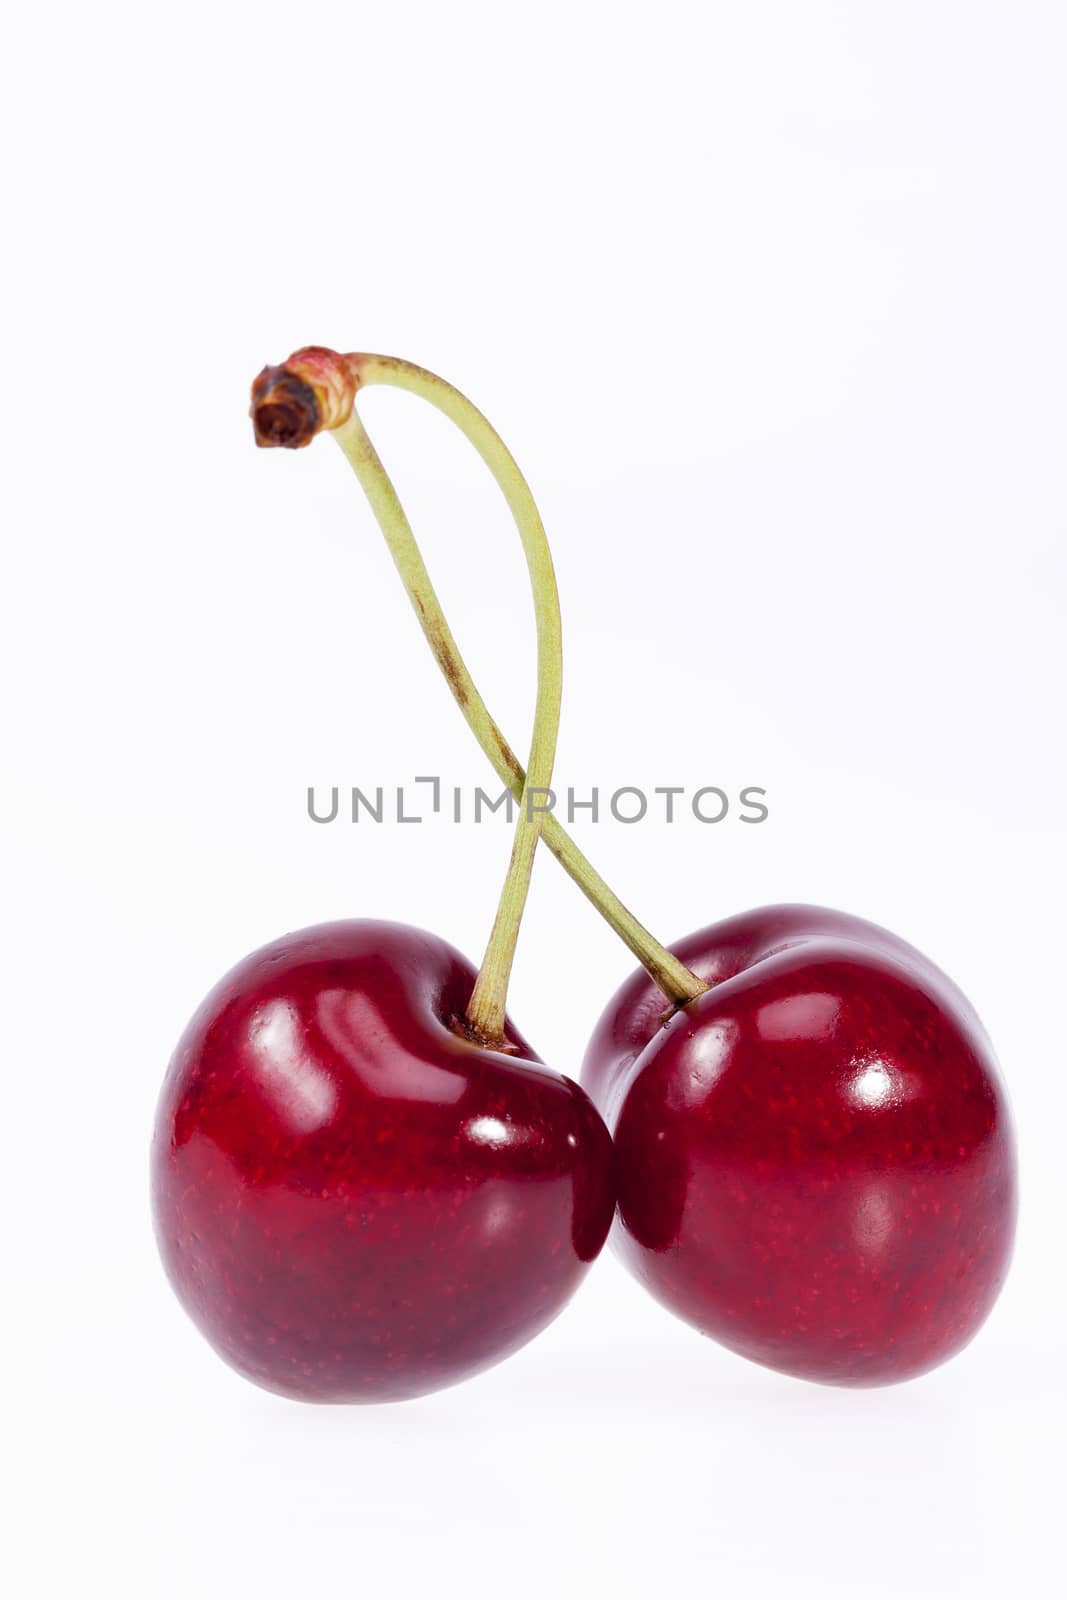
(354, 1202)
(815, 1159)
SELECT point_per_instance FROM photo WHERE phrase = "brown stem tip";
(313, 390)
(285, 412)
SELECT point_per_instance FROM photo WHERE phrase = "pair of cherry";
(367, 1186)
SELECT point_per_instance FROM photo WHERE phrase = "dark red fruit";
(815, 1159)
(354, 1202)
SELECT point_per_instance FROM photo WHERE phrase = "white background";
(768, 300)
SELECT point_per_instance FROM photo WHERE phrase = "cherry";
(353, 1200)
(815, 1159)
(366, 1185)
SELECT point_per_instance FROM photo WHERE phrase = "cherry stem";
(485, 1012)
(316, 389)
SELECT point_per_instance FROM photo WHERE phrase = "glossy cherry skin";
(815, 1160)
(353, 1202)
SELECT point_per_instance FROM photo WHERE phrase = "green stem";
(485, 1012)
(676, 981)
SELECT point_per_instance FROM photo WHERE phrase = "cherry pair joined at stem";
(813, 1155)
